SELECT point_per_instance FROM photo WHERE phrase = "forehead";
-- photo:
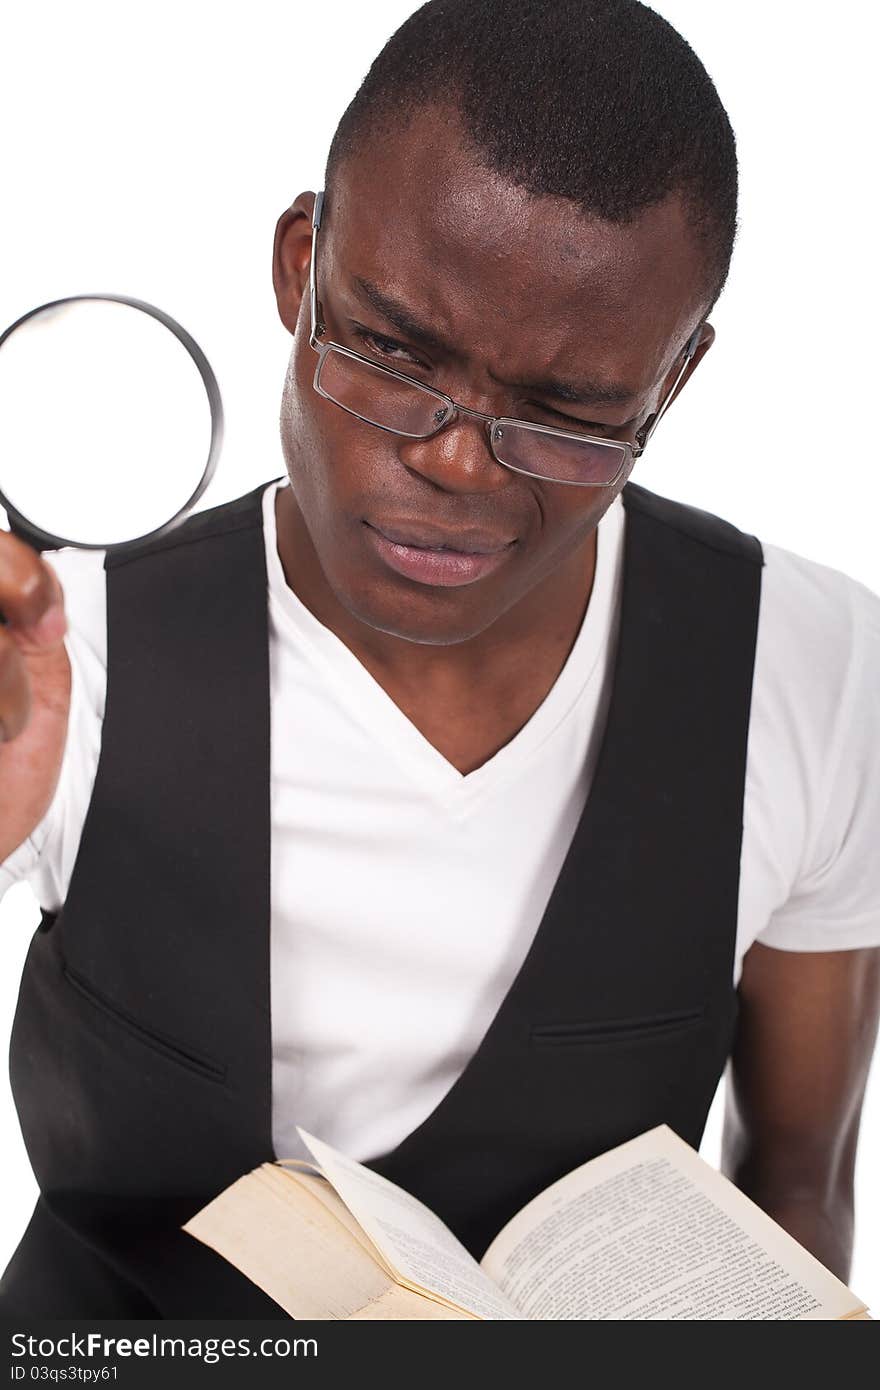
(510, 278)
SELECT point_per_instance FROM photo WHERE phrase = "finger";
(31, 597)
(15, 696)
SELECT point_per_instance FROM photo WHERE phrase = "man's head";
(523, 198)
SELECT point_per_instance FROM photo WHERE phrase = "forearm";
(823, 1228)
(806, 1193)
(807, 1189)
(805, 1036)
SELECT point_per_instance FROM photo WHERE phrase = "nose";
(459, 457)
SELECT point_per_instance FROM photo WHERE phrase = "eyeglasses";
(400, 404)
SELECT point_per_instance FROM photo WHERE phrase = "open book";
(646, 1231)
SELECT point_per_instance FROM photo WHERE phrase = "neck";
(526, 647)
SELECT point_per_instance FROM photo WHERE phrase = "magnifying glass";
(110, 422)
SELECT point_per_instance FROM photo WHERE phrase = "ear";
(291, 255)
(706, 339)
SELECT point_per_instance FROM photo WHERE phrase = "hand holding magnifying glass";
(110, 429)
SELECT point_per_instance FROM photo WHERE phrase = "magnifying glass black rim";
(48, 539)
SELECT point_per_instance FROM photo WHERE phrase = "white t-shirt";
(405, 895)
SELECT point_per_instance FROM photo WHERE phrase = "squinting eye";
(568, 422)
(385, 347)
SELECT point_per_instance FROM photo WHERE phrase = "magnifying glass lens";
(107, 425)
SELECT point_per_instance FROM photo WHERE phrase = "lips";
(429, 556)
(422, 537)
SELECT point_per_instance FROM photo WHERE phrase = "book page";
(291, 1246)
(420, 1249)
(649, 1231)
(329, 1197)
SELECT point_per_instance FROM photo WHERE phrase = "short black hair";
(598, 101)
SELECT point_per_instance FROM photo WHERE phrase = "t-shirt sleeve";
(45, 860)
(835, 899)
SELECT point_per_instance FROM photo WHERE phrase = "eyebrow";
(401, 318)
(584, 393)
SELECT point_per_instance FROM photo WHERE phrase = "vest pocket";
(613, 1030)
(159, 1042)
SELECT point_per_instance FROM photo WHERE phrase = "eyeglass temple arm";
(692, 345)
(317, 324)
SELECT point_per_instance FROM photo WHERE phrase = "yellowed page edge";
(291, 1246)
(323, 1190)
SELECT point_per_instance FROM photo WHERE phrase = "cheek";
(294, 402)
(333, 461)
(309, 432)
(571, 514)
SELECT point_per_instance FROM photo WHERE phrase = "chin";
(432, 622)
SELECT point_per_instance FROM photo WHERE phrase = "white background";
(150, 150)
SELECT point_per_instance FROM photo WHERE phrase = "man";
(448, 801)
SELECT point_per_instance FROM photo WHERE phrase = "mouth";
(430, 556)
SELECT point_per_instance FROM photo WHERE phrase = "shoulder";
(810, 874)
(241, 514)
(807, 610)
(815, 726)
(818, 631)
(815, 708)
(692, 523)
(83, 577)
(813, 783)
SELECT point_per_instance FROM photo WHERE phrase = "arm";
(807, 1027)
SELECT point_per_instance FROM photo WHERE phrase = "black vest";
(141, 1049)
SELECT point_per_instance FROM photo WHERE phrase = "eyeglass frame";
(630, 454)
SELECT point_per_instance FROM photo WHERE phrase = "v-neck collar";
(365, 699)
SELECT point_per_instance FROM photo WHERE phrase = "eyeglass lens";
(407, 408)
